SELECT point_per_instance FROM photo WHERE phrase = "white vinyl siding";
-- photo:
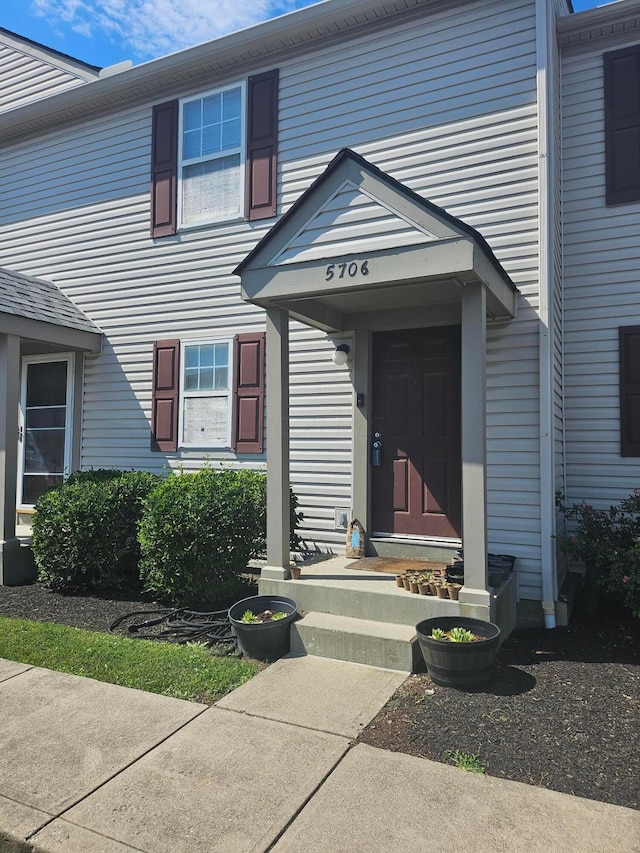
(461, 130)
(25, 78)
(602, 292)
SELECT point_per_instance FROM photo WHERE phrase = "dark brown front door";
(416, 410)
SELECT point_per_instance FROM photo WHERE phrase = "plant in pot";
(441, 589)
(295, 571)
(459, 651)
(454, 590)
(423, 583)
(262, 624)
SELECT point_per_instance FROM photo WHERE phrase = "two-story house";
(424, 213)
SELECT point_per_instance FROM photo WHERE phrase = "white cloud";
(151, 28)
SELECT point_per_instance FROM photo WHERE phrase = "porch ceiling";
(418, 276)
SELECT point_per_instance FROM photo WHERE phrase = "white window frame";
(242, 150)
(48, 358)
(198, 393)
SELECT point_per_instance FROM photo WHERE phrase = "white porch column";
(9, 400)
(278, 507)
(474, 462)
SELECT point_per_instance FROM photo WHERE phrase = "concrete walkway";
(87, 767)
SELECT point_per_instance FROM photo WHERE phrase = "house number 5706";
(349, 270)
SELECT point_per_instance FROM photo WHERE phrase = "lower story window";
(205, 414)
(208, 394)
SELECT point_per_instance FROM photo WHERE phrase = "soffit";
(609, 25)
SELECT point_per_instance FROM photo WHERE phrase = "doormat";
(394, 565)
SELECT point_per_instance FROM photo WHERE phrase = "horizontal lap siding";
(456, 121)
(24, 78)
(445, 105)
(602, 292)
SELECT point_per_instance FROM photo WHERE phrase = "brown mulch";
(561, 711)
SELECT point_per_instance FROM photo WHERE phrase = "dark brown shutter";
(164, 399)
(164, 169)
(248, 393)
(262, 145)
(622, 125)
(630, 391)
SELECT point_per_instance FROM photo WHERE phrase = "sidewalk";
(87, 767)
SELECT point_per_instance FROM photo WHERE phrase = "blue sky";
(103, 32)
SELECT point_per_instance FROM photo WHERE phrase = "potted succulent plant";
(262, 624)
(458, 651)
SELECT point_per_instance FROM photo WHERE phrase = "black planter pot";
(459, 664)
(263, 640)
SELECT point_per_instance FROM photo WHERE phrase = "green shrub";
(607, 541)
(199, 531)
(84, 534)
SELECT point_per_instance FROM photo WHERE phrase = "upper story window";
(211, 157)
(214, 156)
(622, 125)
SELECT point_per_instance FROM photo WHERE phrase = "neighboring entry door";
(45, 425)
(416, 410)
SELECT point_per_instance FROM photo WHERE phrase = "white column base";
(275, 573)
(478, 597)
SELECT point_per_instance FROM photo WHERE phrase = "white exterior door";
(46, 408)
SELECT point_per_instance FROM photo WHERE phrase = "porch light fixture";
(341, 354)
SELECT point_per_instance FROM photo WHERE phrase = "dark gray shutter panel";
(164, 398)
(622, 125)
(630, 391)
(262, 145)
(164, 169)
(248, 393)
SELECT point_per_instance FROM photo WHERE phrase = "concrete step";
(381, 644)
(363, 595)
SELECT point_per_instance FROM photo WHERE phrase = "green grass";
(465, 761)
(184, 672)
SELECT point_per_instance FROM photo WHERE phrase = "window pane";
(231, 104)
(191, 356)
(221, 381)
(231, 134)
(211, 109)
(37, 484)
(206, 355)
(222, 355)
(44, 451)
(191, 379)
(47, 384)
(211, 142)
(206, 421)
(206, 379)
(191, 144)
(192, 115)
(51, 416)
(211, 190)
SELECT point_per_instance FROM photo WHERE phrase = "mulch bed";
(561, 711)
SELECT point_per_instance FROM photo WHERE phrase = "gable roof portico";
(359, 252)
(358, 244)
